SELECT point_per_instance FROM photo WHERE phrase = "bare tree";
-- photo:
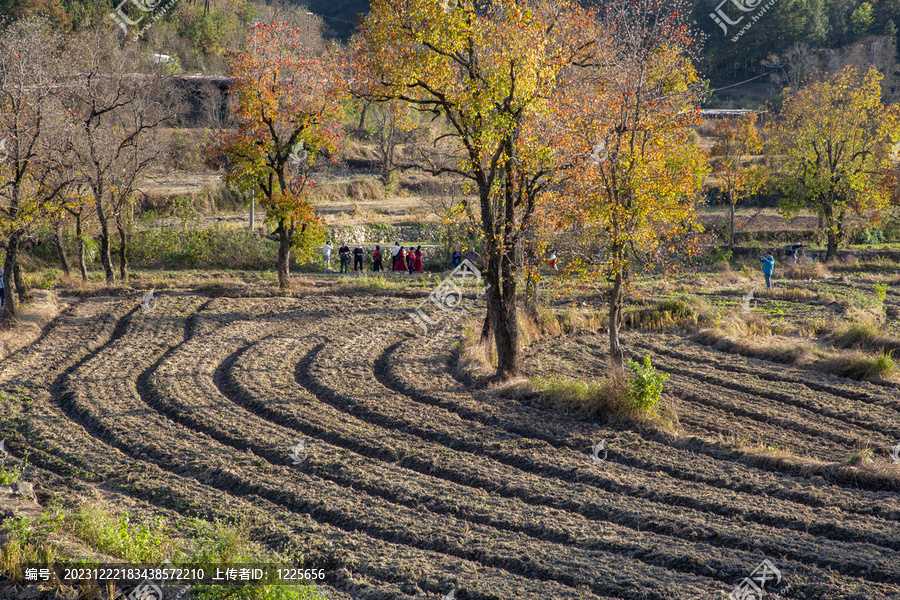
(116, 113)
(30, 145)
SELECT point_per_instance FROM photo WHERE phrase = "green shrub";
(646, 386)
(869, 237)
(720, 257)
(880, 292)
(216, 247)
(9, 476)
(117, 536)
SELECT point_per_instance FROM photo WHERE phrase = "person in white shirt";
(394, 252)
(326, 255)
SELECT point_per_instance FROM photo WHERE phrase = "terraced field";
(417, 483)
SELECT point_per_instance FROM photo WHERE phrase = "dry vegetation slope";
(417, 483)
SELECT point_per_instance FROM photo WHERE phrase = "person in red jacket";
(418, 258)
(401, 261)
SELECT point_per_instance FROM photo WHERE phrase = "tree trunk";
(616, 357)
(9, 267)
(502, 309)
(284, 255)
(82, 265)
(123, 258)
(731, 215)
(63, 261)
(21, 289)
(105, 257)
(362, 115)
(831, 233)
(486, 329)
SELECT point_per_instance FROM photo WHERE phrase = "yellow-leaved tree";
(832, 147)
(488, 72)
(633, 179)
(288, 104)
(737, 146)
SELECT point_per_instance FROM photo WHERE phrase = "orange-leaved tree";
(487, 71)
(634, 177)
(832, 145)
(737, 143)
(287, 105)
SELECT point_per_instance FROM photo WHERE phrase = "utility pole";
(253, 25)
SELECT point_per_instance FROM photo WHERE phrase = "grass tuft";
(609, 399)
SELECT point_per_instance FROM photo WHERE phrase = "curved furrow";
(387, 481)
(386, 575)
(256, 363)
(365, 400)
(799, 395)
(132, 476)
(858, 396)
(421, 371)
(773, 410)
(109, 406)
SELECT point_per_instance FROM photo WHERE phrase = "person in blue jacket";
(768, 262)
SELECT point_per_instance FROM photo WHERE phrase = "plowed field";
(417, 483)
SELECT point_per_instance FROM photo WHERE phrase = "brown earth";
(417, 482)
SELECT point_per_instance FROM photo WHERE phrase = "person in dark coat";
(376, 260)
(344, 255)
(358, 258)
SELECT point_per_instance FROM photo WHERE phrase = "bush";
(217, 247)
(117, 536)
(869, 237)
(646, 386)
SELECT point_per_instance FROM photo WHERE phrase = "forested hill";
(786, 34)
(341, 16)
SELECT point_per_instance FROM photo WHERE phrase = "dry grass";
(858, 365)
(864, 328)
(749, 334)
(686, 313)
(608, 399)
(27, 327)
(15, 555)
(795, 294)
(808, 271)
(877, 474)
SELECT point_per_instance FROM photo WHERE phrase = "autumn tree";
(390, 125)
(630, 191)
(114, 114)
(487, 70)
(32, 179)
(287, 106)
(737, 143)
(831, 146)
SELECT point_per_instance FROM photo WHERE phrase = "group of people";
(790, 253)
(410, 261)
(401, 259)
